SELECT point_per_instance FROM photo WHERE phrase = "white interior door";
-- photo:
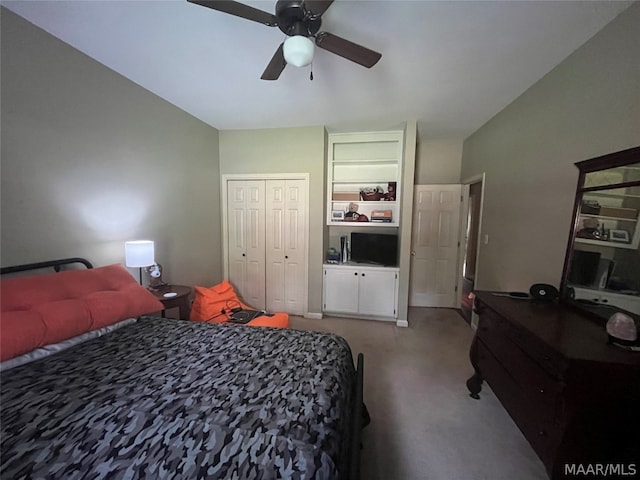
(434, 246)
(286, 226)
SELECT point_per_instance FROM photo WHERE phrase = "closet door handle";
(243, 255)
(286, 256)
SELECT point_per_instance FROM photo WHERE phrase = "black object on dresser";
(574, 397)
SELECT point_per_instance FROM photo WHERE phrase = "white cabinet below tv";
(361, 291)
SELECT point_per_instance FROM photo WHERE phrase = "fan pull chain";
(311, 74)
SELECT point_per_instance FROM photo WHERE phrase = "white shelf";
(606, 243)
(604, 217)
(364, 160)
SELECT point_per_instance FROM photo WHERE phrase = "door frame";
(224, 180)
(466, 183)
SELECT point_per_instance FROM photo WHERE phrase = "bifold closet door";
(286, 227)
(246, 242)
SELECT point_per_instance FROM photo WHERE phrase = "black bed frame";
(56, 264)
(360, 417)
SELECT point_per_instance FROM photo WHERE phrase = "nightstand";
(181, 300)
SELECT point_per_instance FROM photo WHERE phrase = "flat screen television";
(374, 248)
(584, 268)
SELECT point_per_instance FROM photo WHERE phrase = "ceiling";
(450, 65)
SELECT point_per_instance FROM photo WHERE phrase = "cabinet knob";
(243, 255)
(542, 433)
(356, 274)
(363, 274)
(286, 256)
(542, 390)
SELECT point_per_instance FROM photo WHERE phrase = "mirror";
(602, 265)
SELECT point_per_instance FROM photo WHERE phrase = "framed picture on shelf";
(619, 236)
(337, 216)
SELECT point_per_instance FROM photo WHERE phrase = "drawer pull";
(542, 390)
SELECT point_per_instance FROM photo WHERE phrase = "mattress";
(164, 398)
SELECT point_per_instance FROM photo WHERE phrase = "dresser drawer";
(535, 421)
(552, 362)
(540, 388)
(548, 359)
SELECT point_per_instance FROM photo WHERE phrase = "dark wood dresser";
(574, 397)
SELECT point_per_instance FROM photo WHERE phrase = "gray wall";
(286, 150)
(438, 161)
(587, 106)
(90, 160)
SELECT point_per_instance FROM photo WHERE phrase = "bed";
(151, 397)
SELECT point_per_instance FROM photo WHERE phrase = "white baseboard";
(402, 323)
(313, 316)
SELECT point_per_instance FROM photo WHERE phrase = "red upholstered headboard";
(43, 309)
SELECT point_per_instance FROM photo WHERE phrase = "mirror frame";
(604, 162)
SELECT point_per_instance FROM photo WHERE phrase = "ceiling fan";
(299, 20)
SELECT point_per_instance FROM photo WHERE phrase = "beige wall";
(587, 106)
(438, 161)
(286, 150)
(90, 160)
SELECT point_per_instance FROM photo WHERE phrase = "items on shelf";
(390, 196)
(630, 213)
(353, 216)
(590, 207)
(382, 216)
(589, 229)
(333, 256)
(371, 194)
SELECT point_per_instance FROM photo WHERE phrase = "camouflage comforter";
(174, 399)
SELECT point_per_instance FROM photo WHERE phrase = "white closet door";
(286, 227)
(237, 243)
(246, 226)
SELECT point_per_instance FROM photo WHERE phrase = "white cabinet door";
(377, 293)
(286, 226)
(341, 290)
(367, 291)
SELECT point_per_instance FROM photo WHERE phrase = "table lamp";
(139, 254)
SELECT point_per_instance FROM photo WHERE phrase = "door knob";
(413, 254)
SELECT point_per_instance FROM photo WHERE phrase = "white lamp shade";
(298, 51)
(139, 253)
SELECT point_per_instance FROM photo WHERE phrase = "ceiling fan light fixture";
(298, 51)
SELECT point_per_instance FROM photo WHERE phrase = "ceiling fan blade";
(276, 65)
(317, 7)
(349, 50)
(239, 10)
